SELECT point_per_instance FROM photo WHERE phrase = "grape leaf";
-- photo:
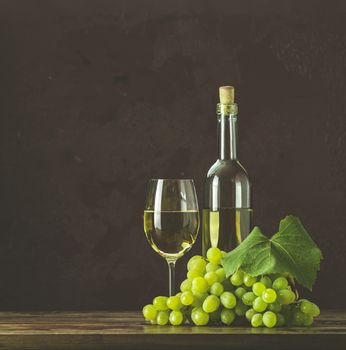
(291, 251)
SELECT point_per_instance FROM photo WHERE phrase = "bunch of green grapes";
(269, 301)
(207, 297)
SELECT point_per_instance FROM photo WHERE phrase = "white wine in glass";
(171, 219)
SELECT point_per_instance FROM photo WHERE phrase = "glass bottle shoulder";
(230, 169)
(227, 186)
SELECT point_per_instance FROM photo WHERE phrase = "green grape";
(275, 306)
(240, 309)
(249, 280)
(211, 267)
(194, 309)
(316, 310)
(306, 307)
(280, 320)
(191, 261)
(211, 277)
(256, 320)
(193, 274)
(285, 296)
(200, 317)
(258, 288)
(227, 316)
(211, 303)
(186, 298)
(237, 278)
(228, 300)
(149, 312)
(197, 264)
(186, 285)
(266, 281)
(174, 303)
(214, 255)
(160, 303)
(298, 318)
(239, 292)
(280, 283)
(308, 321)
(221, 274)
(216, 289)
(176, 318)
(259, 305)
(248, 298)
(223, 253)
(269, 319)
(249, 313)
(162, 318)
(198, 299)
(269, 295)
(199, 285)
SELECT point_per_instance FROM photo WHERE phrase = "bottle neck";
(227, 136)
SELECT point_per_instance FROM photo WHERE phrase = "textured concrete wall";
(99, 96)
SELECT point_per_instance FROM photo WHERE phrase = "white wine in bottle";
(227, 212)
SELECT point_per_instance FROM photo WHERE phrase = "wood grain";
(126, 330)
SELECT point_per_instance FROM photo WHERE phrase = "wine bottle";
(227, 213)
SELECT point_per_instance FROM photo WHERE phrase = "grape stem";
(171, 277)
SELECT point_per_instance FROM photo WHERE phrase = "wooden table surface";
(126, 330)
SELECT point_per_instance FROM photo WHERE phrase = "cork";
(226, 95)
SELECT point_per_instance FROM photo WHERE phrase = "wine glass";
(171, 220)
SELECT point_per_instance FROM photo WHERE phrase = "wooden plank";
(126, 330)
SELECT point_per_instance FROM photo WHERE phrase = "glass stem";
(171, 270)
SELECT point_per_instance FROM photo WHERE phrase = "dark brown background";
(99, 96)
